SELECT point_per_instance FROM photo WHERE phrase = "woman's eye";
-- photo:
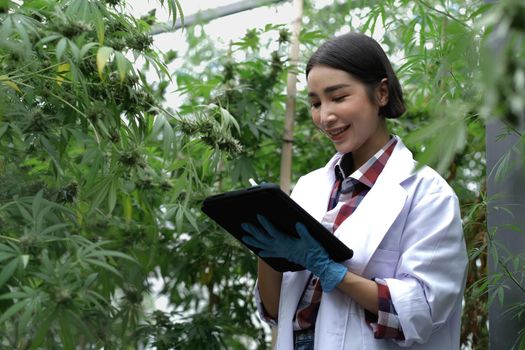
(338, 98)
(315, 105)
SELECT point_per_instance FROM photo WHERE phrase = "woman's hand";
(305, 251)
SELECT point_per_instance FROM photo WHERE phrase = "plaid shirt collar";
(367, 173)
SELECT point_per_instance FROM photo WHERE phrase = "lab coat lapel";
(364, 230)
(317, 195)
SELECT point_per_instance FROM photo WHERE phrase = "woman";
(404, 284)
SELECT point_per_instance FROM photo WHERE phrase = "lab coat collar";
(364, 230)
(402, 154)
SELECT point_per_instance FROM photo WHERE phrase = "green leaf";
(99, 25)
(5, 256)
(8, 248)
(52, 152)
(84, 50)
(112, 253)
(99, 193)
(13, 295)
(112, 196)
(159, 66)
(4, 79)
(79, 9)
(127, 208)
(228, 120)
(174, 8)
(37, 203)
(105, 266)
(501, 294)
(38, 4)
(13, 310)
(180, 13)
(123, 65)
(54, 228)
(48, 39)
(41, 217)
(66, 332)
(24, 27)
(3, 129)
(97, 299)
(42, 330)
(439, 151)
(102, 126)
(24, 259)
(179, 219)
(75, 51)
(514, 228)
(191, 219)
(311, 37)
(61, 48)
(90, 279)
(8, 271)
(103, 55)
(78, 323)
(254, 130)
(503, 166)
(521, 338)
(26, 317)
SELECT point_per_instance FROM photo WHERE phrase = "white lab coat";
(407, 230)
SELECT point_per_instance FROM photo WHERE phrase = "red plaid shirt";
(348, 191)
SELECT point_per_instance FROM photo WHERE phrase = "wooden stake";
(291, 91)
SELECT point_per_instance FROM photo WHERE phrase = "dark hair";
(364, 59)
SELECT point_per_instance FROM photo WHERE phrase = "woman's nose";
(327, 115)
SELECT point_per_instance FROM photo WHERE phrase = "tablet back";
(231, 209)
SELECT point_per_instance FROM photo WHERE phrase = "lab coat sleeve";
(430, 274)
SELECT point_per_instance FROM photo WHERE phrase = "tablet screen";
(231, 209)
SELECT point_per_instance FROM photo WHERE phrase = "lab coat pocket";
(382, 264)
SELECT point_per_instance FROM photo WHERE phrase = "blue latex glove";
(305, 251)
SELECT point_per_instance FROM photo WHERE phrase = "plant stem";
(54, 79)
(35, 73)
(444, 13)
(511, 276)
(81, 113)
(512, 128)
(9, 238)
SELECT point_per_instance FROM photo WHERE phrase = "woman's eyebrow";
(329, 89)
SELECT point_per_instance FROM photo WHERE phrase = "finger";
(256, 231)
(302, 231)
(305, 235)
(257, 234)
(253, 242)
(250, 229)
(268, 226)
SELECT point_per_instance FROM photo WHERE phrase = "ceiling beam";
(211, 14)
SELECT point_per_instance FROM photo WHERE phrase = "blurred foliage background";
(101, 185)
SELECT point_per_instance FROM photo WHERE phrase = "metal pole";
(506, 209)
(211, 14)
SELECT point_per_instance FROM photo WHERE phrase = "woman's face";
(342, 109)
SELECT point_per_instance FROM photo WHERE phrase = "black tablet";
(231, 209)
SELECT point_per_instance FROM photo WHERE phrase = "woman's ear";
(382, 92)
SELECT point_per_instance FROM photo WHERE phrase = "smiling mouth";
(338, 131)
